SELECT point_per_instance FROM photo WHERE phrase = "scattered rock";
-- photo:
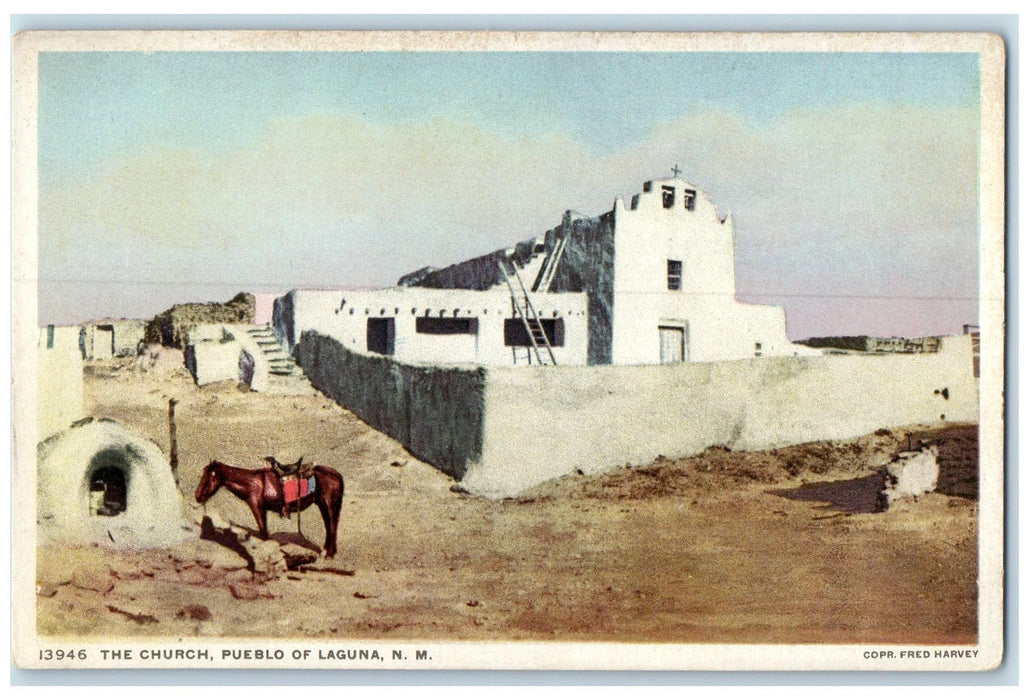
(225, 549)
(398, 463)
(473, 603)
(140, 619)
(248, 590)
(327, 570)
(195, 576)
(194, 612)
(296, 556)
(46, 590)
(268, 559)
(93, 578)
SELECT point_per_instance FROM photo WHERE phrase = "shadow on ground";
(851, 495)
(294, 538)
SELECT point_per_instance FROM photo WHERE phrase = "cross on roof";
(675, 171)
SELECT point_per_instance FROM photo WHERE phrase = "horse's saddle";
(297, 481)
(292, 470)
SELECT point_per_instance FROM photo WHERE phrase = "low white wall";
(59, 378)
(543, 423)
(215, 361)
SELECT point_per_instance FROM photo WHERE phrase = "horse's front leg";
(261, 517)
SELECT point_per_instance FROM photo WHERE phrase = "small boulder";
(93, 578)
(297, 556)
(268, 559)
(249, 590)
(200, 613)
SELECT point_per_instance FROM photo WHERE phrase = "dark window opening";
(675, 275)
(668, 196)
(446, 326)
(380, 335)
(50, 337)
(516, 336)
(690, 196)
(647, 185)
(757, 349)
(107, 492)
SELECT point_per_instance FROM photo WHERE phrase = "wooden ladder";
(546, 275)
(540, 344)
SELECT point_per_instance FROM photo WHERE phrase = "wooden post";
(173, 449)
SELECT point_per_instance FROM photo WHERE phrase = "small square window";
(675, 275)
(668, 196)
(690, 197)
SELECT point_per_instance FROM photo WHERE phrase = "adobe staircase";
(284, 375)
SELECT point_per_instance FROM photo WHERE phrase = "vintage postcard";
(407, 350)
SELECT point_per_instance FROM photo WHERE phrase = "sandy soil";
(777, 546)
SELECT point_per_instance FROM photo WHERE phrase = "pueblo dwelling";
(651, 282)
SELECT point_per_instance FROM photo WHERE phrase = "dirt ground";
(764, 547)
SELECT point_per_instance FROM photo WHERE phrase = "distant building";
(104, 339)
(864, 343)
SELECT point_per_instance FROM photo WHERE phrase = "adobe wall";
(171, 328)
(59, 379)
(214, 353)
(436, 412)
(587, 265)
(344, 315)
(542, 423)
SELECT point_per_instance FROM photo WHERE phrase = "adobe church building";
(607, 340)
(651, 283)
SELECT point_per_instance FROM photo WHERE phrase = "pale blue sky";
(93, 105)
(263, 171)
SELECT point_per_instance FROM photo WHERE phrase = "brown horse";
(262, 491)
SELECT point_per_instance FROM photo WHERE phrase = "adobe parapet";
(672, 195)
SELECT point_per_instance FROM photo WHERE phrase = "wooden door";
(673, 344)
